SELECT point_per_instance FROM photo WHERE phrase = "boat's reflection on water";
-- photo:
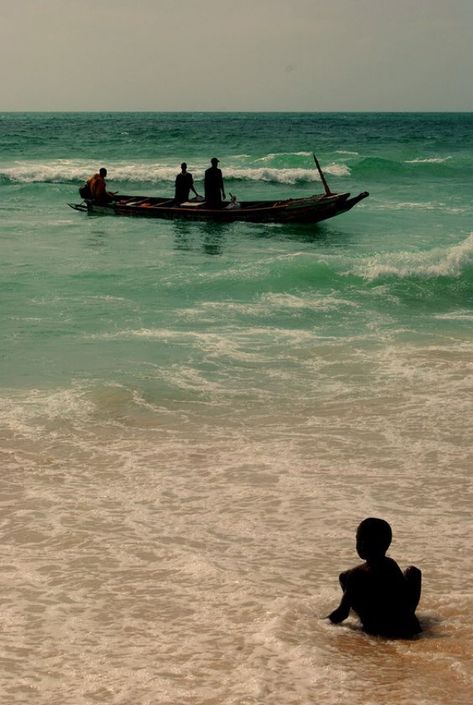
(294, 232)
(211, 236)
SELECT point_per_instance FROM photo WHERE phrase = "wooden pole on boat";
(322, 177)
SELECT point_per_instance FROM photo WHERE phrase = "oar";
(322, 177)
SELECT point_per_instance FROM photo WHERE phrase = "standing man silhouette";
(213, 184)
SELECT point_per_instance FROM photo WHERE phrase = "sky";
(216, 55)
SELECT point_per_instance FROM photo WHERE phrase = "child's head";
(373, 537)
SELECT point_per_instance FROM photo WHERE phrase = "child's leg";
(413, 578)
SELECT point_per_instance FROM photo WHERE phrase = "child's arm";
(342, 611)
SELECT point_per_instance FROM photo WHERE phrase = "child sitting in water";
(384, 598)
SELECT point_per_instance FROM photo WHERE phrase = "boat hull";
(304, 210)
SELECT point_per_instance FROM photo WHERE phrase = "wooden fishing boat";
(311, 209)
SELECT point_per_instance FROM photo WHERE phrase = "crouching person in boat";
(98, 188)
(233, 203)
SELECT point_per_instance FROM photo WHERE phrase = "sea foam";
(438, 262)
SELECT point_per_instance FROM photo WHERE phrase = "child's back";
(384, 598)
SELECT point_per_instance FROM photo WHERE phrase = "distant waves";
(272, 168)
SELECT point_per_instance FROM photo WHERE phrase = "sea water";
(195, 416)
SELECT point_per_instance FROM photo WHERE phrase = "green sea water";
(203, 412)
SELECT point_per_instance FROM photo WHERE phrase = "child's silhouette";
(384, 598)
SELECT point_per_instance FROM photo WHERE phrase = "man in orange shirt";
(98, 188)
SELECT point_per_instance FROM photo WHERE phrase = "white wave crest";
(285, 176)
(436, 263)
(65, 171)
(275, 155)
(428, 160)
(53, 172)
(415, 205)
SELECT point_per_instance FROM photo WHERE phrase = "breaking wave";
(438, 262)
(271, 168)
(76, 172)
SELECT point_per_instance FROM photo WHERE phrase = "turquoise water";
(195, 416)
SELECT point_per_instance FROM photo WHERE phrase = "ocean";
(194, 417)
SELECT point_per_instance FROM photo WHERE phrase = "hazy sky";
(239, 55)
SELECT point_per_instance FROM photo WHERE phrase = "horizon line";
(258, 112)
